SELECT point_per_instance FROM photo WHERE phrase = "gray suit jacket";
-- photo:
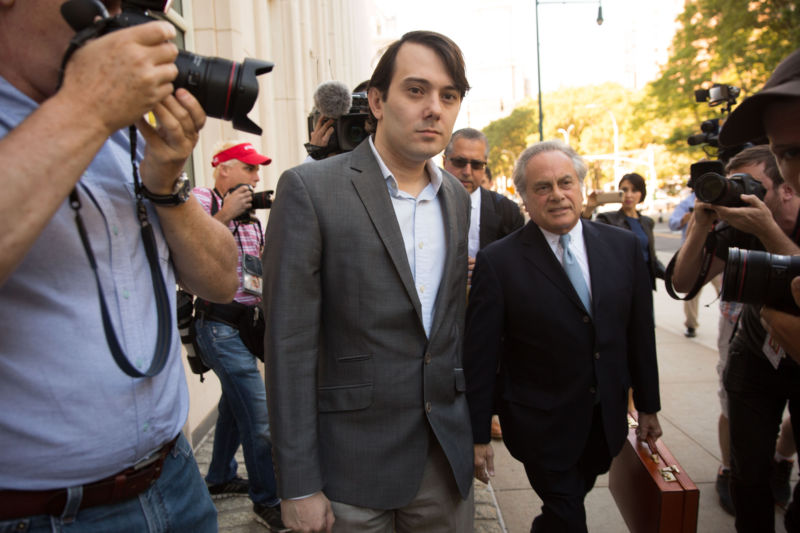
(355, 388)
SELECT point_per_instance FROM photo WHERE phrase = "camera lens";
(711, 187)
(351, 131)
(262, 200)
(757, 277)
(226, 89)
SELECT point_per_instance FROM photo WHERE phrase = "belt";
(119, 487)
(230, 314)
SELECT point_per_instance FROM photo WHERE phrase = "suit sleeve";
(482, 345)
(642, 361)
(292, 295)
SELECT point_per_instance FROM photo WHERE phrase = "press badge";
(251, 274)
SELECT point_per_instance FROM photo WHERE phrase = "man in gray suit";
(365, 288)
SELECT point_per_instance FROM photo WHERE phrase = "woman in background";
(633, 192)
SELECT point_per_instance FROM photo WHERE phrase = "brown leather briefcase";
(653, 493)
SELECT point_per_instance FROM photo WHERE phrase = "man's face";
(233, 175)
(772, 197)
(782, 122)
(34, 69)
(552, 194)
(416, 119)
(466, 155)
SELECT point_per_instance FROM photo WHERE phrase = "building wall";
(310, 41)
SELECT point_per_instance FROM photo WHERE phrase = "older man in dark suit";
(564, 308)
(365, 267)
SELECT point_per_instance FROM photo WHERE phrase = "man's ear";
(375, 99)
(787, 191)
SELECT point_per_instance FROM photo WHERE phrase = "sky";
(498, 39)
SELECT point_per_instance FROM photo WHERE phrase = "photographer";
(774, 112)
(83, 443)
(758, 379)
(221, 333)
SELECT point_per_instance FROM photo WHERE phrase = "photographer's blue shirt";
(69, 415)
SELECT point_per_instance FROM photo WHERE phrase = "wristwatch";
(180, 193)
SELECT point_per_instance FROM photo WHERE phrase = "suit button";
(585, 319)
(428, 406)
(592, 390)
(597, 355)
(428, 358)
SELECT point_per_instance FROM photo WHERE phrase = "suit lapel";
(447, 200)
(371, 189)
(538, 252)
(489, 219)
(600, 260)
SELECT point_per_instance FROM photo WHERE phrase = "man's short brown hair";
(443, 46)
(757, 155)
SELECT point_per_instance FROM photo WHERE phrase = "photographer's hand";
(236, 202)
(690, 256)
(757, 219)
(322, 132)
(784, 327)
(591, 205)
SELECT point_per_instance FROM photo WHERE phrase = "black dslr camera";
(757, 277)
(225, 89)
(261, 200)
(712, 187)
(348, 130)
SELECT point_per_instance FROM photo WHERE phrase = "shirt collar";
(575, 235)
(434, 172)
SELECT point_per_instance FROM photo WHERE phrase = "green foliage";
(730, 42)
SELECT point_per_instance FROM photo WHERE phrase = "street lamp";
(616, 139)
(566, 132)
(538, 61)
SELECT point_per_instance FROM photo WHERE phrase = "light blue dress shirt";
(69, 415)
(422, 225)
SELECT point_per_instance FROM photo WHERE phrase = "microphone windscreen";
(333, 99)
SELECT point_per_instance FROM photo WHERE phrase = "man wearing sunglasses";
(493, 216)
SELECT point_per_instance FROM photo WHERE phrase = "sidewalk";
(690, 408)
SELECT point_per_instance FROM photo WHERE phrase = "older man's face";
(782, 122)
(552, 192)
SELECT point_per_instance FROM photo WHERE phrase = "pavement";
(690, 409)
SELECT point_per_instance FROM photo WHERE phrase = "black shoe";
(234, 487)
(690, 333)
(724, 491)
(270, 517)
(779, 482)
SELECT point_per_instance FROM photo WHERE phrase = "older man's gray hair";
(546, 146)
(467, 133)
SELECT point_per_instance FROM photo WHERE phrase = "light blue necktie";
(573, 270)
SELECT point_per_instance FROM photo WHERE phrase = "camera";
(348, 130)
(261, 200)
(225, 89)
(709, 129)
(716, 189)
(756, 277)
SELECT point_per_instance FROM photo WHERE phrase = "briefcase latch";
(668, 473)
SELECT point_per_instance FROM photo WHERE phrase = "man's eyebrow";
(427, 83)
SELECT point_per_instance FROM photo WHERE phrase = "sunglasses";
(461, 162)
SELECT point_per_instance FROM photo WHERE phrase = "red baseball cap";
(244, 152)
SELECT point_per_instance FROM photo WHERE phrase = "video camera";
(225, 89)
(718, 94)
(348, 130)
(261, 200)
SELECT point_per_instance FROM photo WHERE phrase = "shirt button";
(421, 246)
(115, 229)
(428, 358)
(126, 294)
(428, 406)
(585, 319)
(422, 289)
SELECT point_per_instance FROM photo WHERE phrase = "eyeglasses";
(461, 162)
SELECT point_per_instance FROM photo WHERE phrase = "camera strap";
(708, 248)
(164, 333)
